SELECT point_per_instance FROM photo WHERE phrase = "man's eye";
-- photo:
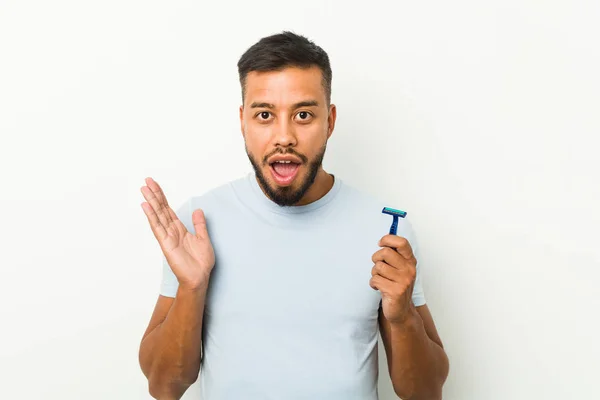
(303, 115)
(265, 115)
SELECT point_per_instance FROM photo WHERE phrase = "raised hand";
(190, 256)
(394, 274)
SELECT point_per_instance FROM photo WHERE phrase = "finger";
(380, 283)
(399, 243)
(157, 228)
(391, 257)
(162, 199)
(386, 271)
(172, 214)
(199, 221)
(156, 205)
(155, 187)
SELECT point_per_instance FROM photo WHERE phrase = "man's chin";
(283, 187)
(286, 194)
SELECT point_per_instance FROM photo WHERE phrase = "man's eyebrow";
(306, 103)
(262, 105)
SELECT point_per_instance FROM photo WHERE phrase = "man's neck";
(321, 186)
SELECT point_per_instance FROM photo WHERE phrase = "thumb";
(199, 221)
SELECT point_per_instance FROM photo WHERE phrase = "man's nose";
(285, 134)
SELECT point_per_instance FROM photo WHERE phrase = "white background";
(478, 118)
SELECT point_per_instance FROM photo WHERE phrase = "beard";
(287, 195)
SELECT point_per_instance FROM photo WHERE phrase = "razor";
(394, 213)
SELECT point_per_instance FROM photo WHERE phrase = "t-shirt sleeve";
(169, 283)
(418, 296)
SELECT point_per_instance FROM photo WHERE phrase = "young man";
(276, 285)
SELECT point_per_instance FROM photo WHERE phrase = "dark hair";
(286, 49)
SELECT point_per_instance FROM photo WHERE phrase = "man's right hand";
(190, 256)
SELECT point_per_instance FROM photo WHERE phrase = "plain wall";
(478, 118)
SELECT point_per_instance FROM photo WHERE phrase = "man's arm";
(170, 351)
(417, 362)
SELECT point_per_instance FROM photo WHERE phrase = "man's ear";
(242, 128)
(331, 120)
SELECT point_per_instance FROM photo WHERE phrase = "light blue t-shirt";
(289, 312)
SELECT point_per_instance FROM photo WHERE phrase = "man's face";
(286, 123)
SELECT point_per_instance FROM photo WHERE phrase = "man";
(276, 285)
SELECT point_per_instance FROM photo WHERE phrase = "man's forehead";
(289, 85)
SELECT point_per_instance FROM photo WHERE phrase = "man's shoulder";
(219, 195)
(211, 199)
(359, 197)
(366, 208)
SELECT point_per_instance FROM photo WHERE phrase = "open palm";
(190, 256)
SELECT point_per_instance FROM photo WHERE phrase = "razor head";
(393, 211)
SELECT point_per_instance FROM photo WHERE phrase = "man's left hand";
(394, 275)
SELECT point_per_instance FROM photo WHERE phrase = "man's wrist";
(408, 324)
(197, 287)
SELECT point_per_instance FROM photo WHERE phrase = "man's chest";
(308, 275)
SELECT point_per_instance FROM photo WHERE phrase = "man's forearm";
(419, 366)
(170, 354)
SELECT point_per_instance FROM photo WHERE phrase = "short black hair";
(285, 49)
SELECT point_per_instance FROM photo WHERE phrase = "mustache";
(288, 151)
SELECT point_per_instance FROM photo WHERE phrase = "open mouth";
(284, 172)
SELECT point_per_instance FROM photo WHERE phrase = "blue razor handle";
(394, 213)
